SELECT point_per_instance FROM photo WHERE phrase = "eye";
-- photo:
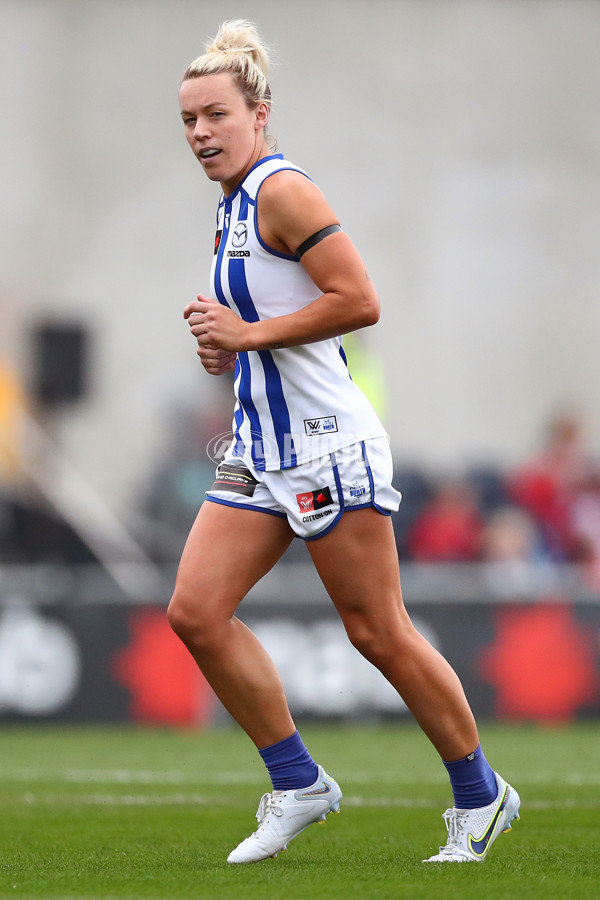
(189, 120)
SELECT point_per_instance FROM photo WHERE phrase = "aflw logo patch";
(311, 500)
(324, 425)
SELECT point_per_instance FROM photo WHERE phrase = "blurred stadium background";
(459, 142)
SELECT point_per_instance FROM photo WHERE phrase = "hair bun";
(237, 48)
(239, 36)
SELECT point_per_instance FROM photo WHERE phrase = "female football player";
(309, 458)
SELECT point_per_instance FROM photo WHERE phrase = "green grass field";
(114, 812)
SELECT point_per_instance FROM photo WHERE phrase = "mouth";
(209, 153)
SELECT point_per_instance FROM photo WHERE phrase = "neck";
(259, 153)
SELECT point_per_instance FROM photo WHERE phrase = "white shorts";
(313, 496)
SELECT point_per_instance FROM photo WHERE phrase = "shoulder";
(290, 207)
(290, 194)
(287, 183)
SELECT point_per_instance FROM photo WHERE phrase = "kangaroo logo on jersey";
(323, 425)
(311, 500)
(218, 237)
(240, 235)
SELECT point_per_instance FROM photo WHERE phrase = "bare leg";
(228, 550)
(358, 564)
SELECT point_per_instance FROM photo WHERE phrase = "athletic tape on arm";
(316, 238)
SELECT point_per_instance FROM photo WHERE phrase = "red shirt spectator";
(450, 528)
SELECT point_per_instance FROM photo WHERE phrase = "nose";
(201, 129)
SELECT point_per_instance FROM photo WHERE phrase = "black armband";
(316, 238)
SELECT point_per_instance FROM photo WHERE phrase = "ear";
(262, 116)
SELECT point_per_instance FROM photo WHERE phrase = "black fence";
(74, 648)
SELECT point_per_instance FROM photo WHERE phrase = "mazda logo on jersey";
(312, 500)
(240, 235)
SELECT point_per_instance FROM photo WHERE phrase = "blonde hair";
(237, 48)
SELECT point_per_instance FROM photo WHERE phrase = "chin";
(213, 176)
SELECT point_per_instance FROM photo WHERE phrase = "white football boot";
(282, 815)
(471, 832)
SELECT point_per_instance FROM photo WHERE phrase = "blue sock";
(473, 781)
(290, 764)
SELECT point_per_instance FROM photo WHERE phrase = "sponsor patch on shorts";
(311, 500)
(235, 478)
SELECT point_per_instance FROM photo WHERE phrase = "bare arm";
(291, 209)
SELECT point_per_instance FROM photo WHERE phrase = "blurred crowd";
(544, 511)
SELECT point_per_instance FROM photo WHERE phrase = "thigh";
(358, 565)
(227, 551)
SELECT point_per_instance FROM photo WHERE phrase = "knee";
(380, 645)
(365, 639)
(180, 616)
(195, 620)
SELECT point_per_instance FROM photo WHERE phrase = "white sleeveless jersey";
(294, 404)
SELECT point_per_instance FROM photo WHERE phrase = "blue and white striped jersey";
(294, 404)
